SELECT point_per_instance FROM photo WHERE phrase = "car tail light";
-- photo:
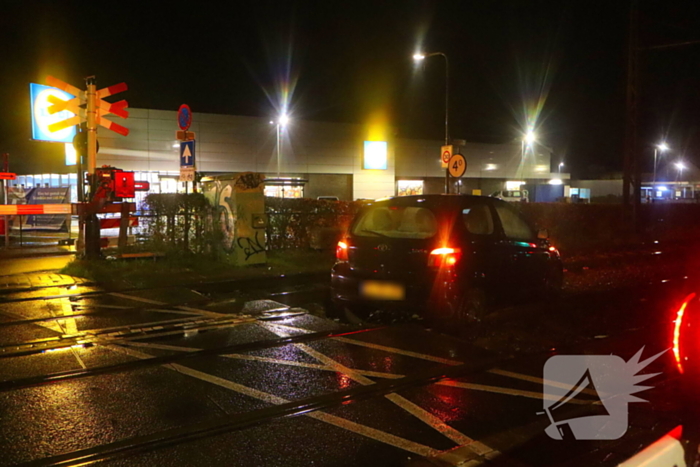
(680, 334)
(341, 251)
(444, 257)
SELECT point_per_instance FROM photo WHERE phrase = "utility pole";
(92, 223)
(632, 173)
(630, 176)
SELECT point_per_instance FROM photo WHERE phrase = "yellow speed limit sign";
(457, 165)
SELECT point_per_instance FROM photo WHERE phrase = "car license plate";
(382, 290)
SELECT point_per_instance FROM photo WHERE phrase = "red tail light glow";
(444, 257)
(341, 251)
(677, 332)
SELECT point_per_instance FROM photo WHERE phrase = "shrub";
(296, 222)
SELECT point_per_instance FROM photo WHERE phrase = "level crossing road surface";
(189, 378)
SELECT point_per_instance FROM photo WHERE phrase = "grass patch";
(183, 269)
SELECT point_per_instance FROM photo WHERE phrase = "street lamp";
(529, 139)
(281, 123)
(418, 57)
(561, 164)
(680, 166)
(660, 147)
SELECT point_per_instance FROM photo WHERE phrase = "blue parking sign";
(187, 154)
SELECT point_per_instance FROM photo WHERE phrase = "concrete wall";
(600, 187)
(329, 185)
(229, 144)
(421, 158)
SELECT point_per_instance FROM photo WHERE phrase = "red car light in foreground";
(680, 328)
(341, 251)
(444, 257)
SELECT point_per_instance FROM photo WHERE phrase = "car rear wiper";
(374, 232)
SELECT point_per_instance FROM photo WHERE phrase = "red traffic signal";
(124, 185)
(117, 184)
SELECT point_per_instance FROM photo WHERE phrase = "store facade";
(314, 158)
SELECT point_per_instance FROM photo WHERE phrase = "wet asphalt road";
(239, 375)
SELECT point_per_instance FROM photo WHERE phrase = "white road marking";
(372, 374)
(127, 327)
(203, 312)
(408, 353)
(160, 346)
(534, 379)
(363, 430)
(314, 366)
(137, 299)
(174, 312)
(418, 412)
(184, 331)
(507, 391)
(179, 307)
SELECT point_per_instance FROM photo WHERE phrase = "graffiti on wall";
(220, 196)
(251, 246)
(236, 200)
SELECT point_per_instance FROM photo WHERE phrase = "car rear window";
(396, 222)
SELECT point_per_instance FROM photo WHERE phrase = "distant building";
(315, 158)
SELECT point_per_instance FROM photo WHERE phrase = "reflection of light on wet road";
(70, 327)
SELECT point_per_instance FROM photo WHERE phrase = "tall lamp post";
(527, 142)
(680, 166)
(420, 57)
(660, 147)
(281, 123)
(561, 164)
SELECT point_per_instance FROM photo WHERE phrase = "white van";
(512, 195)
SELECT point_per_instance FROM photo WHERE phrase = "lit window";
(410, 187)
(71, 155)
(375, 157)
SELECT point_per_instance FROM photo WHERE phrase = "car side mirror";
(543, 234)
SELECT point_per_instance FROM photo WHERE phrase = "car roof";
(434, 200)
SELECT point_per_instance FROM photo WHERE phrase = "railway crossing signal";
(79, 104)
(89, 106)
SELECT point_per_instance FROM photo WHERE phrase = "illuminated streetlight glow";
(420, 56)
(530, 137)
(282, 121)
(659, 147)
(680, 165)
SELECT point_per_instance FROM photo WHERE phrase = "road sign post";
(188, 168)
(446, 153)
(457, 166)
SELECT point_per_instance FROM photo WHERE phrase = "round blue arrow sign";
(184, 117)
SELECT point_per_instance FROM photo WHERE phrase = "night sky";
(561, 64)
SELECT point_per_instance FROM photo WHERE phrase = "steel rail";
(53, 378)
(193, 432)
(191, 285)
(112, 311)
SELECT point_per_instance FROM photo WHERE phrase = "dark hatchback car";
(445, 257)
